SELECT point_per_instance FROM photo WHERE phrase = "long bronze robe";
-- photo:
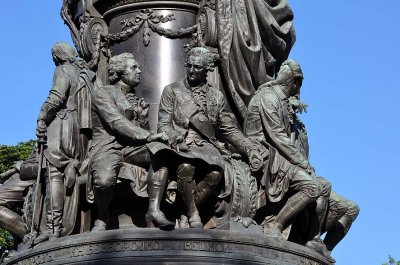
(254, 39)
(66, 111)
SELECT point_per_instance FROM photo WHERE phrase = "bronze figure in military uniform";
(270, 121)
(60, 121)
(120, 132)
(192, 113)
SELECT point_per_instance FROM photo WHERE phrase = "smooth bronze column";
(161, 58)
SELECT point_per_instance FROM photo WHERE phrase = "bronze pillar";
(161, 57)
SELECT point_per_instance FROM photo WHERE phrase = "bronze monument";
(172, 135)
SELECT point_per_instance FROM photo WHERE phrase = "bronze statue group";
(96, 138)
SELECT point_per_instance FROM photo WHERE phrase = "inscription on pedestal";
(39, 259)
(115, 247)
(207, 246)
(132, 246)
(179, 247)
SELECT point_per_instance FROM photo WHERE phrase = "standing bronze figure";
(59, 120)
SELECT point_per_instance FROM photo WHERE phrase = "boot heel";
(158, 221)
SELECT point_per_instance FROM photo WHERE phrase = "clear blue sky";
(349, 51)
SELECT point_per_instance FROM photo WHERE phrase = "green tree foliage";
(11, 154)
(391, 261)
(8, 156)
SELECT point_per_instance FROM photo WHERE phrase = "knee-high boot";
(186, 188)
(338, 230)
(294, 205)
(54, 202)
(103, 200)
(156, 185)
(206, 187)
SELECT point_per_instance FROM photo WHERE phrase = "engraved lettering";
(126, 245)
(207, 246)
(211, 247)
(228, 248)
(110, 248)
(219, 247)
(156, 245)
(188, 246)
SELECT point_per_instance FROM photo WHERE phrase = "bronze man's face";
(131, 75)
(196, 71)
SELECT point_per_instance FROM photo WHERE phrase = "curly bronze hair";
(63, 52)
(117, 65)
(288, 72)
(209, 58)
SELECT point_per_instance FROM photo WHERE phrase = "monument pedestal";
(181, 246)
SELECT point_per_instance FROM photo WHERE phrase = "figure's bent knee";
(213, 178)
(337, 208)
(326, 187)
(104, 180)
(308, 184)
(185, 171)
(352, 210)
(314, 190)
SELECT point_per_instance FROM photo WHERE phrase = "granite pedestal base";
(181, 246)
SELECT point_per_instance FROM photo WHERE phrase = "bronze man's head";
(124, 67)
(291, 76)
(198, 62)
(62, 52)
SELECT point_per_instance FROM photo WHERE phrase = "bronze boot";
(186, 189)
(157, 183)
(54, 202)
(103, 200)
(53, 227)
(206, 187)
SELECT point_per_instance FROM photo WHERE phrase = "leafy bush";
(8, 156)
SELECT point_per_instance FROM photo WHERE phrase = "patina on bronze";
(120, 130)
(145, 132)
(192, 113)
(59, 120)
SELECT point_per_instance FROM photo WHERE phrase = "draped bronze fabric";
(254, 38)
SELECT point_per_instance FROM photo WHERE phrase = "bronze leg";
(187, 188)
(157, 183)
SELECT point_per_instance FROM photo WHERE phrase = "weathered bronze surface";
(270, 120)
(180, 116)
(183, 246)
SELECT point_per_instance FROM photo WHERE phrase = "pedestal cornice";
(108, 7)
(181, 246)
